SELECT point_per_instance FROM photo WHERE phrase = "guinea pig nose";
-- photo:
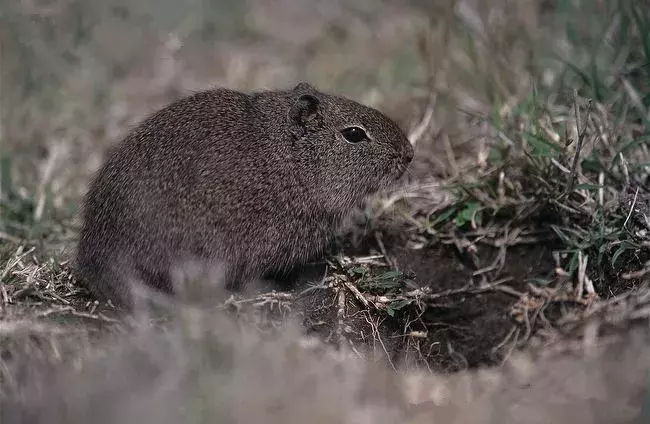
(408, 154)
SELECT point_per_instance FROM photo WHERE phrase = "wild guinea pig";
(255, 182)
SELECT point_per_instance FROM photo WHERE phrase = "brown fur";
(256, 182)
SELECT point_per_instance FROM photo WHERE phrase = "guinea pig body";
(254, 182)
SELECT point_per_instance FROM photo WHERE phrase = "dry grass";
(505, 281)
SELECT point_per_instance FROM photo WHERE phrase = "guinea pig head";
(349, 150)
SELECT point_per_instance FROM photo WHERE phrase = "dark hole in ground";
(456, 331)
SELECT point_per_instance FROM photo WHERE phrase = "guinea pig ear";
(304, 87)
(304, 116)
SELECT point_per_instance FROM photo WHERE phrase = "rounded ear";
(304, 87)
(304, 115)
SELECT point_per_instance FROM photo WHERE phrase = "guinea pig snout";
(404, 160)
(405, 156)
(408, 154)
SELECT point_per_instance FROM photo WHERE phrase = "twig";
(377, 335)
(384, 252)
(512, 334)
(582, 273)
(631, 207)
(601, 190)
(340, 315)
(581, 136)
(416, 134)
(357, 294)
(449, 150)
(468, 289)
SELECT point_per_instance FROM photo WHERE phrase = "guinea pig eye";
(354, 134)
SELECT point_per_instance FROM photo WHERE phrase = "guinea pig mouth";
(401, 169)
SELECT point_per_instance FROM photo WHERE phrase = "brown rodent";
(257, 182)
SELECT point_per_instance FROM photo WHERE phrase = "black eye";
(354, 134)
